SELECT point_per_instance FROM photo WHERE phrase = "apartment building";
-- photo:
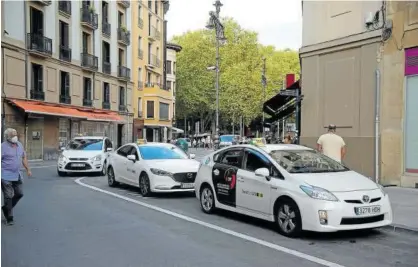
(152, 100)
(171, 66)
(359, 63)
(66, 71)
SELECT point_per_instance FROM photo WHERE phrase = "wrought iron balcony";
(154, 61)
(106, 28)
(124, 36)
(149, 85)
(65, 7)
(45, 3)
(154, 34)
(125, 4)
(87, 102)
(106, 105)
(140, 23)
(122, 108)
(65, 53)
(89, 61)
(37, 94)
(107, 67)
(140, 54)
(65, 99)
(39, 44)
(89, 18)
(124, 72)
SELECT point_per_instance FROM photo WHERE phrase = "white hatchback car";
(293, 186)
(85, 154)
(153, 167)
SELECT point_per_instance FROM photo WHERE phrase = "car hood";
(337, 181)
(174, 165)
(81, 153)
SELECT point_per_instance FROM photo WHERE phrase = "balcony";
(154, 34)
(89, 18)
(65, 99)
(140, 85)
(107, 67)
(161, 86)
(45, 3)
(106, 29)
(124, 73)
(65, 53)
(37, 95)
(64, 8)
(122, 108)
(140, 23)
(105, 105)
(149, 85)
(89, 62)
(125, 4)
(87, 102)
(39, 45)
(124, 36)
(140, 54)
(154, 61)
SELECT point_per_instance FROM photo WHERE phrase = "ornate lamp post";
(215, 23)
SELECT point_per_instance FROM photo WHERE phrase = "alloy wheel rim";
(144, 188)
(110, 178)
(286, 218)
(207, 199)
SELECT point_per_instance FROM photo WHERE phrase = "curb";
(401, 228)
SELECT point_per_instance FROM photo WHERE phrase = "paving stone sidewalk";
(405, 207)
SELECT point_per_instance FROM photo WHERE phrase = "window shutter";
(411, 61)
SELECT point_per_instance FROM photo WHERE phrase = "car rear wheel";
(144, 185)
(288, 219)
(207, 200)
(111, 181)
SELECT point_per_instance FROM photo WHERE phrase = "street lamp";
(215, 23)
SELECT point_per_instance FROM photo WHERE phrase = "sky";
(278, 22)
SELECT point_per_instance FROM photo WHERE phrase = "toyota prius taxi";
(153, 167)
(294, 186)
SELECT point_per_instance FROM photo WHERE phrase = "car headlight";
(97, 158)
(318, 193)
(161, 172)
(62, 158)
(382, 189)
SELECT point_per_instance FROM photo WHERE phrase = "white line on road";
(215, 227)
(40, 167)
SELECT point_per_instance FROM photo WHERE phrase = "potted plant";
(91, 9)
(123, 28)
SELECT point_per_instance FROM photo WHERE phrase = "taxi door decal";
(224, 179)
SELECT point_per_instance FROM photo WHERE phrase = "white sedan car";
(293, 186)
(153, 167)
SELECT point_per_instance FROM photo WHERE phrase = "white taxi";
(294, 186)
(85, 154)
(153, 167)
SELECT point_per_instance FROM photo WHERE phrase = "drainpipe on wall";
(25, 11)
(377, 127)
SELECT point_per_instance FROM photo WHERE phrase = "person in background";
(332, 145)
(12, 157)
(194, 143)
(287, 139)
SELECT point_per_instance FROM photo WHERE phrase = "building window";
(64, 49)
(120, 19)
(411, 125)
(174, 88)
(107, 66)
(150, 109)
(156, 7)
(65, 88)
(174, 68)
(87, 92)
(150, 5)
(168, 85)
(149, 24)
(164, 111)
(168, 67)
(106, 93)
(37, 78)
(149, 52)
(121, 57)
(122, 97)
(140, 108)
(105, 11)
(86, 42)
(140, 51)
(36, 21)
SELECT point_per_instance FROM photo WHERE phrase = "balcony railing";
(140, 23)
(140, 54)
(106, 28)
(89, 61)
(107, 67)
(149, 84)
(65, 53)
(44, 2)
(124, 36)
(65, 7)
(89, 18)
(37, 94)
(87, 102)
(65, 99)
(124, 72)
(154, 34)
(106, 105)
(140, 85)
(122, 108)
(125, 4)
(154, 61)
(39, 44)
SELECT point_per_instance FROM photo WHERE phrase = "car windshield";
(227, 138)
(85, 144)
(161, 152)
(306, 161)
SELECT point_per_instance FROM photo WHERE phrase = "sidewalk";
(405, 207)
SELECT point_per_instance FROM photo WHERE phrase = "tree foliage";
(241, 91)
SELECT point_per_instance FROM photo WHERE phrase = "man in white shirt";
(331, 144)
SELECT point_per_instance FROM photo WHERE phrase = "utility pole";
(264, 83)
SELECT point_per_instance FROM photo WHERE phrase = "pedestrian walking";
(332, 145)
(195, 144)
(287, 139)
(13, 156)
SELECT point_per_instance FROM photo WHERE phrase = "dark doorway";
(120, 131)
(150, 134)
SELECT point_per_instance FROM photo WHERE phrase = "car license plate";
(187, 185)
(370, 210)
(77, 165)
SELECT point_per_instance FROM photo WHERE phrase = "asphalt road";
(61, 223)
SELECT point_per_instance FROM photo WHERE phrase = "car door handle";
(273, 187)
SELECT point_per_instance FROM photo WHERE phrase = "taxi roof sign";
(141, 141)
(260, 142)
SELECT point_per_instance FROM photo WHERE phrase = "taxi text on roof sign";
(261, 142)
(141, 141)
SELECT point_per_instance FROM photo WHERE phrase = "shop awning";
(177, 130)
(274, 105)
(42, 108)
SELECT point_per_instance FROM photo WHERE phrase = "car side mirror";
(131, 157)
(109, 149)
(62, 148)
(263, 172)
(192, 156)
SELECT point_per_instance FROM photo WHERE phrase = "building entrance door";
(35, 139)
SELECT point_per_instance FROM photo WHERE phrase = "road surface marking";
(215, 227)
(40, 167)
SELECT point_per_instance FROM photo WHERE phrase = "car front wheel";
(288, 219)
(207, 200)
(144, 185)
(111, 181)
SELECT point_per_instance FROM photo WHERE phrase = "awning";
(43, 108)
(177, 130)
(272, 105)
